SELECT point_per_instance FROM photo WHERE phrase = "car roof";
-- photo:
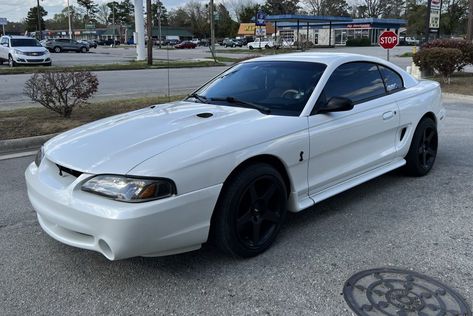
(316, 57)
(18, 37)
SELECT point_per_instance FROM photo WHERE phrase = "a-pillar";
(140, 30)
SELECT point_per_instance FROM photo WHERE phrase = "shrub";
(441, 60)
(466, 48)
(358, 42)
(62, 91)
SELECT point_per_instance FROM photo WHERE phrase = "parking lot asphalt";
(423, 224)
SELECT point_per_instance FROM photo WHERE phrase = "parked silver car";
(65, 44)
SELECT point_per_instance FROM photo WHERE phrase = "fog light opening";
(105, 249)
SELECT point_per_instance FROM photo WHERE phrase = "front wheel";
(423, 150)
(83, 50)
(250, 211)
(250, 47)
(57, 49)
(11, 62)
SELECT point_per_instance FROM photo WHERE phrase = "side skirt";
(348, 184)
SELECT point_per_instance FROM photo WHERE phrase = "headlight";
(130, 189)
(39, 157)
(18, 52)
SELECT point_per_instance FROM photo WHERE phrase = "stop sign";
(388, 39)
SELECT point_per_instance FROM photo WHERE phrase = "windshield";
(21, 42)
(283, 87)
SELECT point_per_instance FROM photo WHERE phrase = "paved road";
(422, 224)
(118, 84)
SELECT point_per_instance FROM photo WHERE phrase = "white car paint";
(341, 150)
(260, 43)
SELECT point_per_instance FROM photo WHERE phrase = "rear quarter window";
(392, 80)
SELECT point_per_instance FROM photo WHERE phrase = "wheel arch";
(269, 159)
(429, 115)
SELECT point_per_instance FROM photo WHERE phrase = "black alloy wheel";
(251, 211)
(423, 150)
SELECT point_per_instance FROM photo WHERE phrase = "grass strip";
(134, 65)
(37, 121)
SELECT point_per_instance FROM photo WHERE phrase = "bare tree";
(62, 91)
(103, 13)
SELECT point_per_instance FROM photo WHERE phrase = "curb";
(11, 145)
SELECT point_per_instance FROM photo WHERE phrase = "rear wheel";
(250, 212)
(423, 149)
(57, 49)
(83, 49)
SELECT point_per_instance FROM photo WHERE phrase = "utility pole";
(212, 30)
(39, 19)
(427, 22)
(159, 22)
(113, 23)
(69, 18)
(149, 21)
(469, 35)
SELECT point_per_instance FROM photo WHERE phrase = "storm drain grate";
(399, 292)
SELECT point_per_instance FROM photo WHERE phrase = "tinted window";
(22, 42)
(392, 79)
(282, 86)
(356, 81)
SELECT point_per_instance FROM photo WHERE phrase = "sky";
(16, 10)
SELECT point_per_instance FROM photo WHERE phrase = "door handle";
(388, 115)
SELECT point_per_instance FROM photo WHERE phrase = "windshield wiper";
(261, 108)
(199, 97)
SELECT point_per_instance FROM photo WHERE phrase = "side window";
(4, 41)
(357, 81)
(392, 79)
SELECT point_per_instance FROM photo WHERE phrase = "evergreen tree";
(31, 22)
(90, 8)
(275, 7)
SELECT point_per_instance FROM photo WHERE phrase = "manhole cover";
(401, 292)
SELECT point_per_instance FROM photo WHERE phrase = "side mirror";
(336, 104)
(5, 44)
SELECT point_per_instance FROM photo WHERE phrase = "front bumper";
(34, 60)
(118, 230)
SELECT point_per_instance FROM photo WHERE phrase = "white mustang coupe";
(267, 136)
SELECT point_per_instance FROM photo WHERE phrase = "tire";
(57, 49)
(48, 64)
(266, 46)
(11, 62)
(250, 47)
(250, 211)
(1, 61)
(423, 150)
(83, 50)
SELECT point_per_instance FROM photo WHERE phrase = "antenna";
(169, 82)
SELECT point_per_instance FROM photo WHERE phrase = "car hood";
(32, 49)
(117, 144)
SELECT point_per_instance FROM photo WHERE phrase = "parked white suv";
(23, 50)
(261, 43)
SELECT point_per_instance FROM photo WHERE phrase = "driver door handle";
(388, 115)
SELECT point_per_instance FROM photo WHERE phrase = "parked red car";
(185, 45)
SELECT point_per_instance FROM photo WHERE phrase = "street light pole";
(149, 21)
(159, 22)
(39, 19)
(469, 35)
(212, 29)
(69, 18)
